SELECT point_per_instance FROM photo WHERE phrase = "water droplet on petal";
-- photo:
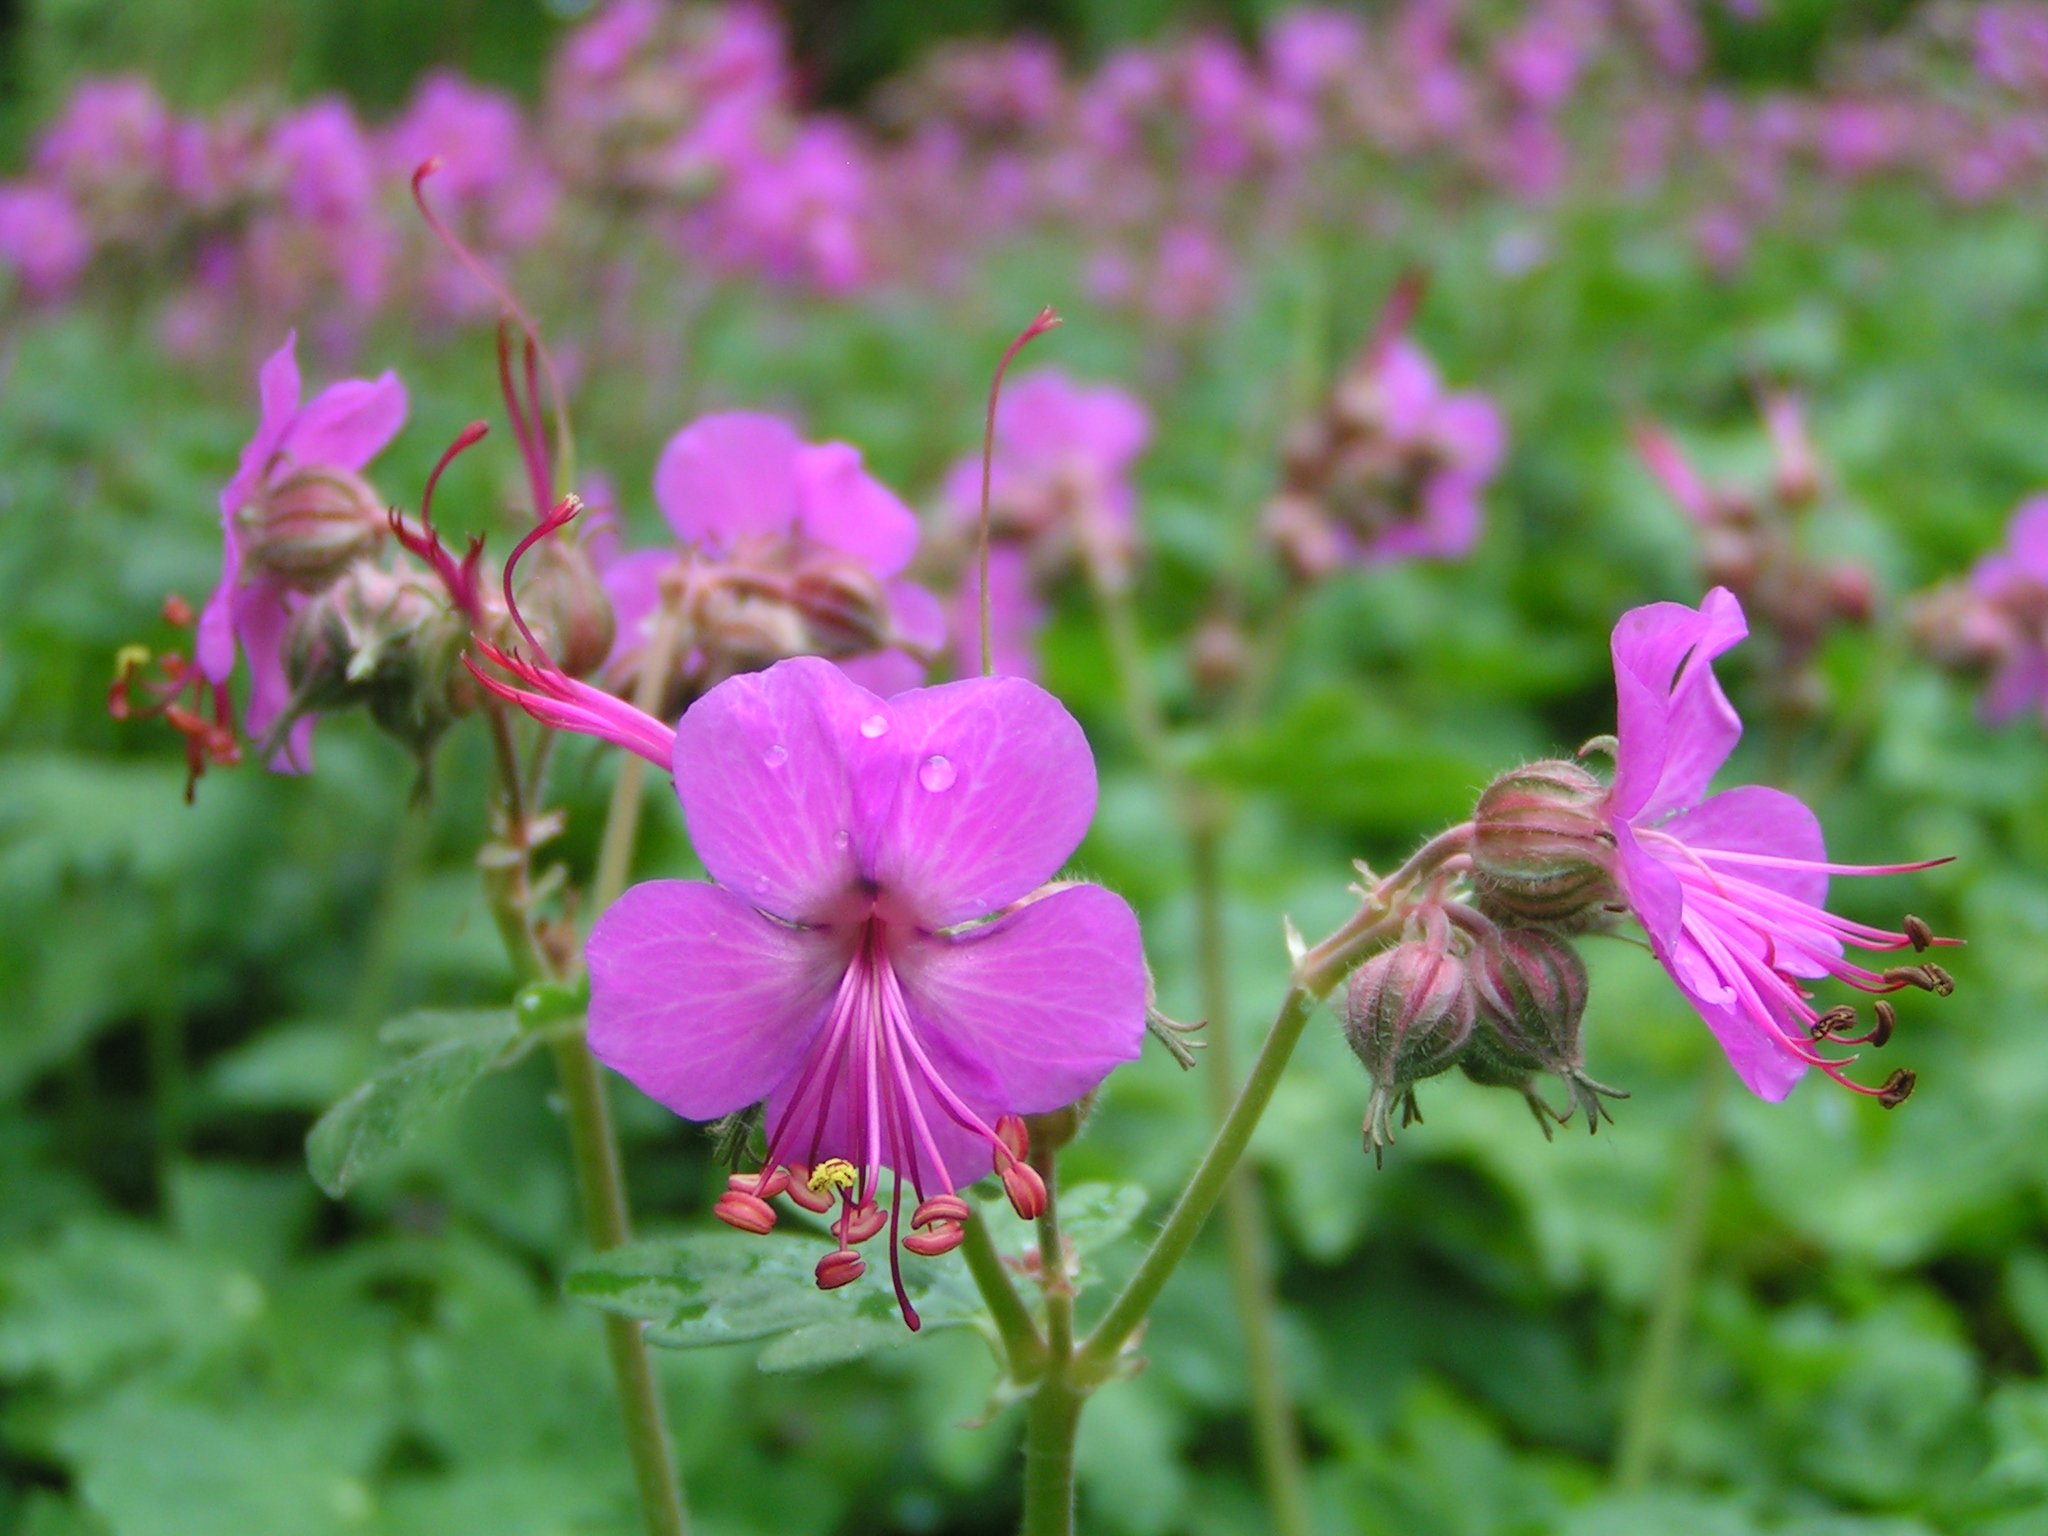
(841, 838)
(760, 885)
(874, 726)
(936, 774)
(776, 755)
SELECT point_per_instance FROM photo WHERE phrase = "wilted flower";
(298, 472)
(879, 956)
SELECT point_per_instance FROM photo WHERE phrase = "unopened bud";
(1408, 1014)
(309, 528)
(1532, 1000)
(844, 606)
(1053, 1130)
(565, 604)
(1541, 848)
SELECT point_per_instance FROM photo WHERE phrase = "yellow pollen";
(833, 1173)
(130, 659)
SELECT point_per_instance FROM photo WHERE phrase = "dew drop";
(874, 726)
(760, 885)
(936, 774)
(776, 755)
(841, 838)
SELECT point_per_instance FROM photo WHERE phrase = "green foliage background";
(194, 1341)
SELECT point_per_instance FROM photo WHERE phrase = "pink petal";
(841, 506)
(1469, 426)
(836, 1127)
(1657, 898)
(699, 1001)
(1044, 1001)
(277, 389)
(917, 615)
(2027, 538)
(997, 790)
(1409, 390)
(1757, 819)
(633, 583)
(775, 810)
(884, 673)
(729, 477)
(348, 424)
(1675, 725)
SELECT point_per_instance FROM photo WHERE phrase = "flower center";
(870, 1089)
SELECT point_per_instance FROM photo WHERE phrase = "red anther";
(181, 719)
(1011, 1133)
(765, 1185)
(799, 1190)
(860, 1223)
(177, 611)
(841, 1268)
(1025, 1189)
(943, 1238)
(941, 1208)
(736, 1208)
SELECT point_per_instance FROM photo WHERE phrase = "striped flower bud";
(1541, 850)
(1408, 1014)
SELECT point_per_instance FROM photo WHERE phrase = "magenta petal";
(997, 792)
(1409, 390)
(699, 1001)
(1674, 724)
(633, 584)
(843, 507)
(1766, 1068)
(1469, 427)
(884, 673)
(214, 643)
(836, 1127)
(1758, 819)
(277, 389)
(348, 424)
(1044, 1001)
(763, 766)
(2027, 538)
(729, 477)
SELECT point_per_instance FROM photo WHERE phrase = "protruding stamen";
(860, 1223)
(765, 1185)
(1014, 1135)
(943, 1237)
(1887, 1021)
(941, 1208)
(840, 1268)
(1917, 930)
(1897, 1088)
(804, 1194)
(750, 1213)
(1833, 1023)
(1025, 1189)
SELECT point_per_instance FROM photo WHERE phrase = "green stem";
(1650, 1394)
(1023, 1347)
(622, 818)
(600, 1180)
(1275, 1438)
(1097, 1354)
(1052, 1422)
(1052, 1268)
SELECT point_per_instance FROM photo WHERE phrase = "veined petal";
(348, 424)
(699, 1001)
(765, 765)
(997, 790)
(729, 477)
(1044, 1001)
(1758, 819)
(262, 614)
(1675, 725)
(843, 507)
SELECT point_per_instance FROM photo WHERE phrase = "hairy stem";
(1274, 1435)
(1052, 1421)
(1656, 1379)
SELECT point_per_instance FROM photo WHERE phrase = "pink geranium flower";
(342, 428)
(1730, 888)
(2009, 592)
(878, 955)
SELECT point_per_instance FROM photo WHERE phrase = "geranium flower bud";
(1541, 851)
(566, 603)
(845, 606)
(1408, 1015)
(1531, 989)
(315, 523)
(381, 639)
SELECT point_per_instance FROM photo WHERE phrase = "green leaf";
(449, 1053)
(715, 1288)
